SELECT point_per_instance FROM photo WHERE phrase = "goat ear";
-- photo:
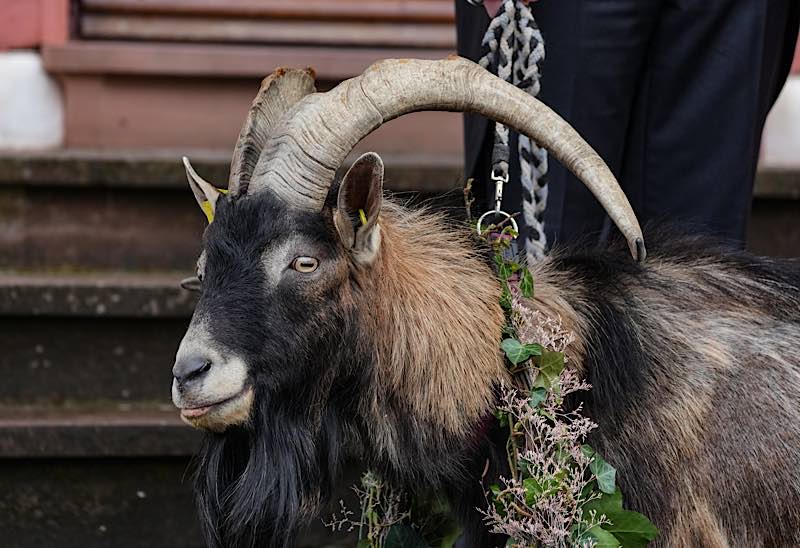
(204, 192)
(358, 206)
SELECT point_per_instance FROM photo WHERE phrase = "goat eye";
(305, 264)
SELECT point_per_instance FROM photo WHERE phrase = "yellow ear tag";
(362, 216)
(206, 207)
(208, 210)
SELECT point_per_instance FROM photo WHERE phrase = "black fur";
(253, 481)
(627, 371)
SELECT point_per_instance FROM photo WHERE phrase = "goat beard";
(257, 484)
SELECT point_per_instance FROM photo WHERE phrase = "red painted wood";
(254, 31)
(19, 23)
(384, 10)
(30, 23)
(54, 21)
(109, 111)
(215, 60)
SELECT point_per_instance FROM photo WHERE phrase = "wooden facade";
(181, 73)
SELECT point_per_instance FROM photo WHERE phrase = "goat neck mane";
(436, 323)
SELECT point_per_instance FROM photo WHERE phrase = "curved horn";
(278, 93)
(300, 159)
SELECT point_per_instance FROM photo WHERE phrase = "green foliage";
(516, 352)
(526, 283)
(537, 396)
(605, 474)
(602, 518)
(550, 365)
(629, 529)
(509, 271)
(601, 538)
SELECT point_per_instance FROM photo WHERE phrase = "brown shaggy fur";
(436, 325)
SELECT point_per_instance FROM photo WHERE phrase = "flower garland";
(560, 492)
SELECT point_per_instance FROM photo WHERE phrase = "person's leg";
(714, 71)
(471, 24)
(596, 51)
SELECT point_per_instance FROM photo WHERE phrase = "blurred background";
(99, 99)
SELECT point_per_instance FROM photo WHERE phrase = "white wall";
(31, 109)
(780, 146)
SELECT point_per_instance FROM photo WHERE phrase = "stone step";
(95, 430)
(96, 294)
(774, 229)
(85, 337)
(133, 210)
(103, 475)
(89, 502)
(161, 169)
(96, 475)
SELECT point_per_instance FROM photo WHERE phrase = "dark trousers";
(672, 94)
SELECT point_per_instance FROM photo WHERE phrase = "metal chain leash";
(515, 53)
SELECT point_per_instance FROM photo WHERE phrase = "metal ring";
(497, 212)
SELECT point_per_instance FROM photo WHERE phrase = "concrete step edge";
(122, 57)
(86, 431)
(95, 294)
(162, 169)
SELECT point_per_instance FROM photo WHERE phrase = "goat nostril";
(199, 372)
(190, 369)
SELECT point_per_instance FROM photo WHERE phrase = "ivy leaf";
(608, 503)
(516, 352)
(533, 490)
(537, 396)
(633, 529)
(605, 473)
(526, 283)
(509, 331)
(601, 537)
(551, 364)
(505, 296)
(534, 349)
(498, 260)
(506, 271)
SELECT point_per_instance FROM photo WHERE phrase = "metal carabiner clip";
(499, 213)
(499, 181)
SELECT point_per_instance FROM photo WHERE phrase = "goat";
(334, 322)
